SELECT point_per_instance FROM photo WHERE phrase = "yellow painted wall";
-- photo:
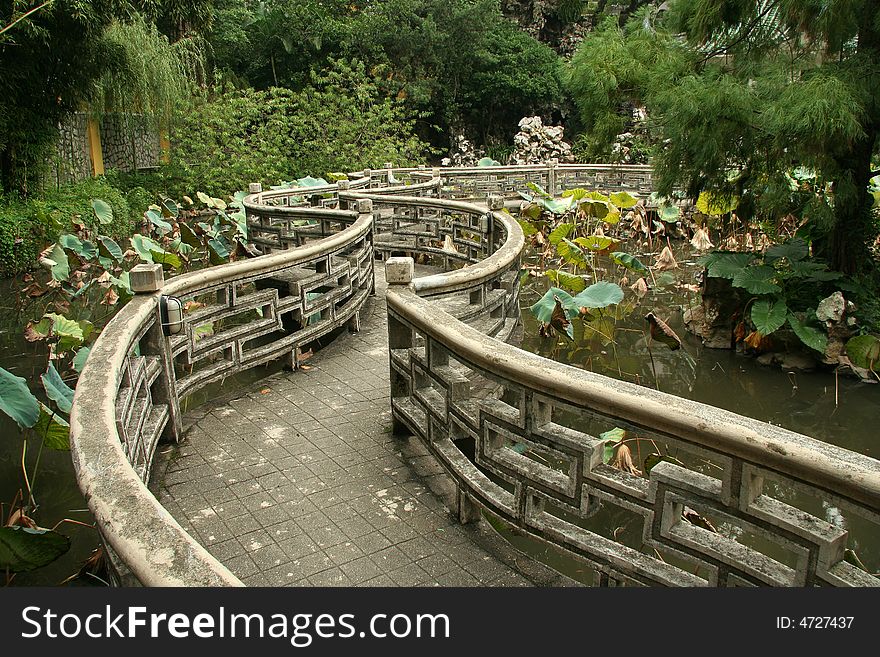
(95, 152)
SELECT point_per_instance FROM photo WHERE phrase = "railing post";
(468, 510)
(398, 273)
(496, 204)
(342, 186)
(435, 173)
(148, 279)
(364, 206)
(551, 177)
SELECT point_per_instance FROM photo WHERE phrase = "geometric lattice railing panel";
(238, 325)
(237, 316)
(705, 514)
(485, 294)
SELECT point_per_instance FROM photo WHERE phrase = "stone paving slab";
(298, 481)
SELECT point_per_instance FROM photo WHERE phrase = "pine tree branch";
(744, 33)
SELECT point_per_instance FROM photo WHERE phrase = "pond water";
(55, 488)
(839, 411)
(835, 410)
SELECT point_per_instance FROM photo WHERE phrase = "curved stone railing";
(239, 315)
(531, 423)
(478, 182)
(539, 464)
(483, 294)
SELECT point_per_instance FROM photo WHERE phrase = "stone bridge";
(344, 470)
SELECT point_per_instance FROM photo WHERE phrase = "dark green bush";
(461, 62)
(74, 202)
(21, 237)
(28, 226)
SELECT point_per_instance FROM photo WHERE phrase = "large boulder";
(536, 143)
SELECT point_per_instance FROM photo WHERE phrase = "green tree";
(179, 19)
(745, 90)
(74, 55)
(48, 63)
(458, 64)
(612, 69)
(460, 61)
(152, 73)
(277, 42)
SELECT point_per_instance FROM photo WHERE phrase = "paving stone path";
(297, 480)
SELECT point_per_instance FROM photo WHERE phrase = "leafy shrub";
(339, 122)
(21, 235)
(141, 188)
(28, 226)
(785, 285)
(74, 201)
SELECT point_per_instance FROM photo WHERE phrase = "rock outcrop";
(536, 143)
(463, 154)
(716, 317)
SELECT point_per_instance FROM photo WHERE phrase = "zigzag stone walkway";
(297, 480)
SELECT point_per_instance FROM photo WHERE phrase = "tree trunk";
(10, 179)
(848, 246)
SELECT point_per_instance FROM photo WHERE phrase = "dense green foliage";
(47, 66)
(154, 72)
(27, 226)
(454, 67)
(74, 55)
(277, 43)
(753, 91)
(460, 62)
(179, 19)
(610, 69)
(339, 122)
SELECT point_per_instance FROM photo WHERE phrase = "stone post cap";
(389, 165)
(368, 173)
(553, 161)
(399, 271)
(343, 184)
(495, 202)
(435, 172)
(364, 205)
(255, 188)
(145, 278)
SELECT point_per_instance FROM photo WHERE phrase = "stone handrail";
(433, 391)
(138, 530)
(130, 389)
(486, 291)
(507, 180)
